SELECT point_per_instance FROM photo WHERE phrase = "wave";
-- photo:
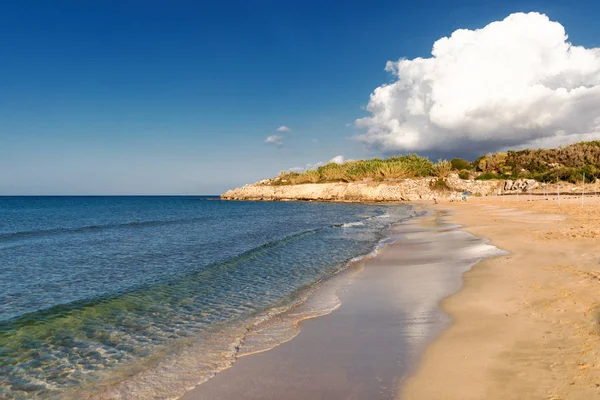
(175, 330)
(199, 358)
(65, 309)
(92, 228)
(276, 325)
(385, 215)
(160, 317)
(351, 224)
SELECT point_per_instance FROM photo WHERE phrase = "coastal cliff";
(400, 190)
(411, 177)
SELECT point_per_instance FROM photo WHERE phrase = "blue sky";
(149, 97)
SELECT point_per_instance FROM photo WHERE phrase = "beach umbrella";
(467, 193)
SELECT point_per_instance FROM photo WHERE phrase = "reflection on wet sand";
(365, 348)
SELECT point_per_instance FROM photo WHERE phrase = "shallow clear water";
(90, 286)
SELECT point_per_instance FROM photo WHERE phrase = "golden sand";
(526, 325)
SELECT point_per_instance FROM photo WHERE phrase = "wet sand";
(364, 349)
(525, 325)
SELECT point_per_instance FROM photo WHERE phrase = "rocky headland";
(372, 191)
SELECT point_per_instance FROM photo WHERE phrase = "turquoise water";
(91, 287)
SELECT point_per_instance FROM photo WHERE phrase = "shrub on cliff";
(464, 174)
(442, 169)
(332, 172)
(566, 163)
(422, 166)
(458, 164)
(439, 185)
(541, 161)
(311, 176)
(490, 175)
(399, 167)
(492, 163)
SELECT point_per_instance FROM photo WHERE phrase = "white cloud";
(275, 139)
(296, 169)
(315, 165)
(283, 128)
(307, 167)
(515, 82)
(337, 160)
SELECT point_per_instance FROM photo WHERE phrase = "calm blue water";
(89, 285)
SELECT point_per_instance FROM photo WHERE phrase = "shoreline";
(403, 190)
(377, 329)
(172, 373)
(525, 325)
(512, 326)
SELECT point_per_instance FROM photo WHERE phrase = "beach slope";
(525, 325)
(389, 312)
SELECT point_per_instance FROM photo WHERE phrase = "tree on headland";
(567, 163)
(458, 164)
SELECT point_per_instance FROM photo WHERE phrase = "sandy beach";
(389, 312)
(525, 325)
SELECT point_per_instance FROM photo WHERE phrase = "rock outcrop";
(402, 190)
(520, 185)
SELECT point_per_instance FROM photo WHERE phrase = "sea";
(147, 296)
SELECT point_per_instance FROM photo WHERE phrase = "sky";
(196, 97)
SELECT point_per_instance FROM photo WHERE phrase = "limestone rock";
(521, 185)
(402, 190)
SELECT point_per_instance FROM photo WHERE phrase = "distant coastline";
(401, 190)
(411, 177)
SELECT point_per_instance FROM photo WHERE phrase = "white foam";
(351, 224)
(386, 215)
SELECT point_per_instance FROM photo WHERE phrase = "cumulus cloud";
(337, 160)
(296, 169)
(275, 139)
(515, 82)
(283, 128)
(307, 167)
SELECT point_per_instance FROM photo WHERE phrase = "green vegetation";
(408, 166)
(495, 162)
(439, 185)
(490, 175)
(464, 174)
(442, 169)
(567, 163)
(459, 164)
